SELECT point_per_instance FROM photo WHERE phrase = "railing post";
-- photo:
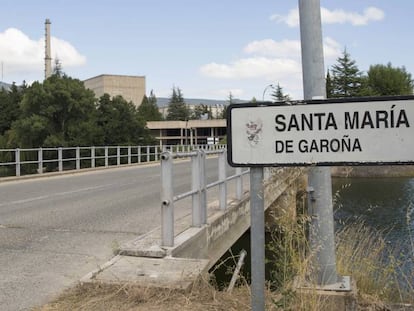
(60, 159)
(148, 153)
(203, 187)
(17, 160)
(40, 160)
(92, 157)
(118, 156)
(106, 156)
(195, 185)
(167, 203)
(139, 154)
(77, 158)
(129, 154)
(239, 183)
(222, 178)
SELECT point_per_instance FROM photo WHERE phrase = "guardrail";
(18, 162)
(198, 191)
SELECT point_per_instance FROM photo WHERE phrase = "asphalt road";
(54, 230)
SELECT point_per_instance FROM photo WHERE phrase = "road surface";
(54, 230)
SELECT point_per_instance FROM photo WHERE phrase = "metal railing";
(199, 187)
(18, 162)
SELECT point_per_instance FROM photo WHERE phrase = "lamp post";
(264, 91)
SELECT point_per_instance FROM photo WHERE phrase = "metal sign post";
(257, 238)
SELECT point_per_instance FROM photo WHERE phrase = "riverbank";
(373, 171)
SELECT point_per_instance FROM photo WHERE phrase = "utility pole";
(322, 238)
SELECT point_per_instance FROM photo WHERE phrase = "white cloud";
(269, 47)
(19, 53)
(337, 16)
(269, 61)
(253, 67)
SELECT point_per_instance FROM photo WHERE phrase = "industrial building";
(131, 88)
(191, 132)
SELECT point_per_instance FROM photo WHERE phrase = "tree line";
(61, 112)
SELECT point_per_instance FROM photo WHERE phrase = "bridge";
(112, 225)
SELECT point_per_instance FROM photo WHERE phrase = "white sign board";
(358, 131)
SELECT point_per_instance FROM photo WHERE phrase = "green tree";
(329, 85)
(177, 108)
(346, 79)
(201, 111)
(148, 109)
(121, 123)
(278, 94)
(9, 106)
(388, 80)
(58, 112)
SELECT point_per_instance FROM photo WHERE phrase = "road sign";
(357, 131)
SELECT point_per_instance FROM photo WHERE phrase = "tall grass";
(362, 252)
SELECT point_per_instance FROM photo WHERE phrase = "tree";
(9, 106)
(58, 112)
(177, 109)
(201, 111)
(329, 85)
(57, 68)
(387, 80)
(120, 122)
(148, 110)
(278, 94)
(346, 80)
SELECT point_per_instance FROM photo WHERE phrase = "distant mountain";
(163, 101)
(5, 86)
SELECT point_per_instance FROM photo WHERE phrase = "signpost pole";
(257, 238)
(322, 239)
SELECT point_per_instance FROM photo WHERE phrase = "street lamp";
(264, 91)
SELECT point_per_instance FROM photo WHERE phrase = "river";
(386, 204)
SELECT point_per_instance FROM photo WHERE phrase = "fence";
(199, 187)
(18, 162)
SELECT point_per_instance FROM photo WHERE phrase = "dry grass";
(364, 253)
(106, 297)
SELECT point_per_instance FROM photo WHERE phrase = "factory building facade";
(131, 88)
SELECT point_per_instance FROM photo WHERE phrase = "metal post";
(40, 160)
(93, 157)
(118, 155)
(148, 153)
(17, 160)
(77, 158)
(60, 159)
(257, 238)
(239, 183)
(129, 154)
(322, 239)
(139, 154)
(203, 187)
(195, 186)
(167, 204)
(106, 156)
(222, 178)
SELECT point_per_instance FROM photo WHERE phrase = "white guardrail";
(18, 162)
(198, 191)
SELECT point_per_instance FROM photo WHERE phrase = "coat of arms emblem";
(254, 131)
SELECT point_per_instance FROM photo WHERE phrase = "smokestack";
(48, 58)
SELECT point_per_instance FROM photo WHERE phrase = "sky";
(206, 48)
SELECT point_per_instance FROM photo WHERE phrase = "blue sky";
(207, 48)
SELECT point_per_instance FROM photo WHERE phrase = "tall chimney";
(48, 58)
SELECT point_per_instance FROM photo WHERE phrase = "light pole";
(264, 91)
